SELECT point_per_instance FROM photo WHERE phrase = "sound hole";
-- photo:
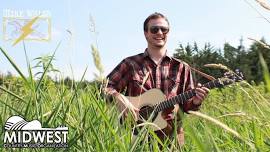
(145, 113)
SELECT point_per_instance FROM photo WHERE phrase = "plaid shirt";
(139, 73)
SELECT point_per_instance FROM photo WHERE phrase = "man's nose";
(159, 31)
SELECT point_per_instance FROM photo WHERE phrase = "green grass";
(93, 123)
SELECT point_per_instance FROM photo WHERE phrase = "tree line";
(239, 57)
(244, 59)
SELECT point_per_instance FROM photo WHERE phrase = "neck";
(156, 53)
(183, 97)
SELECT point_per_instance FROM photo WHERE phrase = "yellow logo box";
(41, 29)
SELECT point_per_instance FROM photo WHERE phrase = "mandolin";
(153, 102)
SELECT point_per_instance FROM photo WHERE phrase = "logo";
(21, 25)
(22, 134)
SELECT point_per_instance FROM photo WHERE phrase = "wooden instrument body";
(148, 100)
(153, 104)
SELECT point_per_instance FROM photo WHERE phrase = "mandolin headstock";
(229, 78)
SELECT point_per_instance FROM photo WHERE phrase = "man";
(154, 69)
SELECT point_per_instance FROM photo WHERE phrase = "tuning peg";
(239, 74)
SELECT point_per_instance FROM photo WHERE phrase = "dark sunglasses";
(155, 29)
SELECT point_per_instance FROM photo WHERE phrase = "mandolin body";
(146, 103)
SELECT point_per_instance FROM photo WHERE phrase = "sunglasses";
(155, 29)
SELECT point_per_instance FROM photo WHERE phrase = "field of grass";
(231, 119)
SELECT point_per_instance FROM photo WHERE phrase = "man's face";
(157, 32)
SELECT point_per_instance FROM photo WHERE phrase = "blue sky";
(119, 25)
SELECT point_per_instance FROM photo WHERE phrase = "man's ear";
(145, 34)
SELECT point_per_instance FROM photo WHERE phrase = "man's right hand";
(124, 106)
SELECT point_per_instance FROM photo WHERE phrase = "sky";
(119, 29)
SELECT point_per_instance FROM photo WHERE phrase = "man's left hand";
(201, 93)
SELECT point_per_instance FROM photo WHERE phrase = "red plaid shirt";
(139, 73)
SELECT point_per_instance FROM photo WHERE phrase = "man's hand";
(124, 105)
(201, 93)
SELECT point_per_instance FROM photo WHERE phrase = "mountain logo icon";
(18, 123)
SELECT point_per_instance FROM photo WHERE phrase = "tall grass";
(231, 119)
(94, 126)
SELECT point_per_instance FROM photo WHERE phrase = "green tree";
(254, 62)
(197, 58)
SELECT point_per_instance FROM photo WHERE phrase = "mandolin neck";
(183, 97)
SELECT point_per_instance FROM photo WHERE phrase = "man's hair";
(153, 16)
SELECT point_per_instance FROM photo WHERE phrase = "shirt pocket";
(137, 80)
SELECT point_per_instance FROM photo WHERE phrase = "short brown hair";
(153, 16)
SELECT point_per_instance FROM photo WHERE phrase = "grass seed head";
(264, 4)
(217, 66)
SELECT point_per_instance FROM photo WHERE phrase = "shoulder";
(180, 62)
(134, 58)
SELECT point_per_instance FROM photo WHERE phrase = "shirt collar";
(146, 54)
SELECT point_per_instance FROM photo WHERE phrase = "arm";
(117, 82)
(118, 79)
(201, 92)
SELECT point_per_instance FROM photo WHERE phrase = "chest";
(166, 77)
